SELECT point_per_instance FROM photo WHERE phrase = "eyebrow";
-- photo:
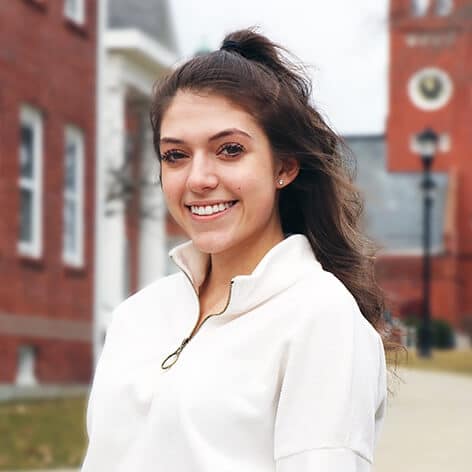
(221, 134)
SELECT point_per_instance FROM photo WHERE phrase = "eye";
(172, 155)
(231, 149)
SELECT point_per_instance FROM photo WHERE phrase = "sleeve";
(332, 397)
(101, 366)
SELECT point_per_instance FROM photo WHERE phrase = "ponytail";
(259, 49)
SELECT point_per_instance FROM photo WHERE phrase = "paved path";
(15, 392)
(428, 426)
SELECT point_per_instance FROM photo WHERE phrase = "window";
(25, 374)
(30, 182)
(73, 197)
(419, 7)
(75, 10)
(444, 7)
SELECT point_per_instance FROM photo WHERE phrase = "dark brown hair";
(322, 202)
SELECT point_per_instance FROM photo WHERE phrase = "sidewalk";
(428, 424)
(14, 392)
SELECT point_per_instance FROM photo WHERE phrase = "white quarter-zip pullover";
(289, 378)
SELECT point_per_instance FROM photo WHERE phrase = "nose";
(202, 174)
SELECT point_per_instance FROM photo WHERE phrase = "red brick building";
(430, 84)
(47, 181)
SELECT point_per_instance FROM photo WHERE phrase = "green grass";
(42, 433)
(441, 360)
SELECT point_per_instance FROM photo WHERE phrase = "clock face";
(430, 88)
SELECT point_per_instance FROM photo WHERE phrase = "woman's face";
(219, 178)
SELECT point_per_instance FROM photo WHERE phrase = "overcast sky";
(345, 42)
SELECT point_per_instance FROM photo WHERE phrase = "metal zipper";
(171, 359)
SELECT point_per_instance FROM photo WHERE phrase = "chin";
(212, 243)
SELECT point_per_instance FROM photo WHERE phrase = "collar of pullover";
(281, 267)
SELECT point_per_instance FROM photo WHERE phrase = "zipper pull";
(174, 356)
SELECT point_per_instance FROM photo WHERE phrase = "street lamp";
(427, 142)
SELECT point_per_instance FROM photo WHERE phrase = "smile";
(208, 210)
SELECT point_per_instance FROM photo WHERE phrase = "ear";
(287, 171)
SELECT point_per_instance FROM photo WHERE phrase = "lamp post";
(427, 142)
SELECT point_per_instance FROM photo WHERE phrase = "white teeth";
(210, 209)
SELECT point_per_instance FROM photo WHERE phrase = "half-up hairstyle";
(322, 202)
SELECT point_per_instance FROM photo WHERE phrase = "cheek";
(171, 189)
(258, 195)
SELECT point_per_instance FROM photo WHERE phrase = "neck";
(241, 260)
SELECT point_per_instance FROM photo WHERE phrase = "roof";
(152, 17)
(394, 201)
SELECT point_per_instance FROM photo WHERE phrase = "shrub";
(442, 334)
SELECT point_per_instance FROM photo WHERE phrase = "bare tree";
(128, 183)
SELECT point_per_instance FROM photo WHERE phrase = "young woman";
(265, 352)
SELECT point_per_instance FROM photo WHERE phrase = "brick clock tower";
(431, 85)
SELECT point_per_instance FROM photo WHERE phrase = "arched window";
(419, 7)
(75, 11)
(444, 7)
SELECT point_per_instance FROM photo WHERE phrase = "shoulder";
(323, 291)
(159, 292)
(327, 304)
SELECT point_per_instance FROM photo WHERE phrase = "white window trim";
(444, 9)
(30, 116)
(77, 16)
(75, 258)
(420, 8)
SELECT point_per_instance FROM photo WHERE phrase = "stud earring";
(280, 182)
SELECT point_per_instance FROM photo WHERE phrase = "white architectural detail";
(444, 143)
(419, 7)
(26, 361)
(138, 44)
(437, 39)
(112, 248)
(75, 10)
(100, 146)
(444, 7)
(132, 63)
(73, 210)
(430, 88)
(152, 245)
